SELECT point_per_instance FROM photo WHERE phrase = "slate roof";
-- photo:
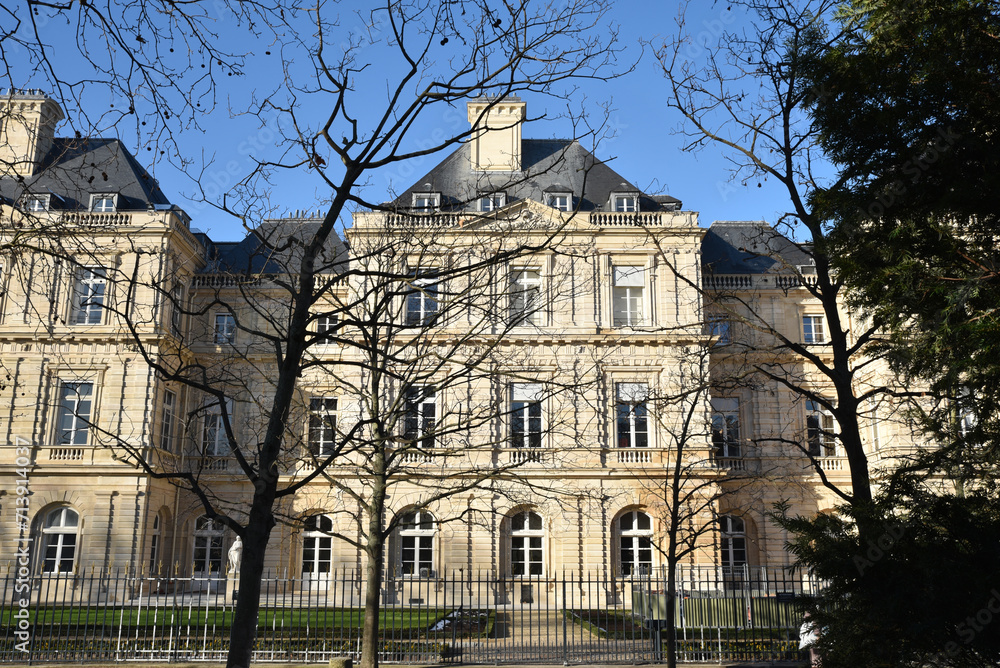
(545, 163)
(76, 168)
(273, 248)
(749, 247)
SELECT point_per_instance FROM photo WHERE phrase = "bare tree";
(744, 96)
(430, 56)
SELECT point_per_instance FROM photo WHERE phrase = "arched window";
(526, 553)
(317, 549)
(208, 539)
(59, 534)
(732, 543)
(635, 543)
(416, 543)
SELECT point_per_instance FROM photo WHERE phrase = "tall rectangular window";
(526, 415)
(820, 430)
(176, 310)
(73, 414)
(719, 326)
(326, 326)
(813, 329)
(525, 296)
(88, 296)
(626, 301)
(726, 427)
(168, 421)
(421, 412)
(416, 533)
(214, 442)
(631, 415)
(322, 425)
(225, 328)
(421, 299)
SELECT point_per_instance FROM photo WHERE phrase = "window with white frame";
(726, 427)
(820, 433)
(626, 298)
(719, 327)
(209, 536)
(526, 415)
(326, 326)
(317, 547)
(214, 441)
(59, 540)
(421, 298)
(631, 414)
(732, 543)
(36, 203)
(525, 296)
(492, 201)
(224, 330)
(416, 543)
(635, 543)
(168, 421)
(625, 203)
(102, 203)
(89, 293)
(427, 201)
(322, 426)
(527, 556)
(421, 412)
(560, 201)
(813, 329)
(73, 414)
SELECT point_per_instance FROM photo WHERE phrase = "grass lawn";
(395, 622)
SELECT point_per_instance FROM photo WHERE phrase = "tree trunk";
(375, 550)
(671, 649)
(255, 537)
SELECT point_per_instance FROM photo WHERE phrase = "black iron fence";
(721, 615)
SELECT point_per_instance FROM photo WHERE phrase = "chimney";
(496, 144)
(28, 121)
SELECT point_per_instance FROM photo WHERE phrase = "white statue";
(235, 553)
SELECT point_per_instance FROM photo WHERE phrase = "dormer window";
(426, 201)
(103, 203)
(559, 197)
(36, 203)
(560, 201)
(626, 203)
(624, 200)
(492, 201)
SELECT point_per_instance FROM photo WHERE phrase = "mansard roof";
(749, 247)
(74, 169)
(274, 247)
(545, 163)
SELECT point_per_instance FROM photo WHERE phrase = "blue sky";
(643, 145)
